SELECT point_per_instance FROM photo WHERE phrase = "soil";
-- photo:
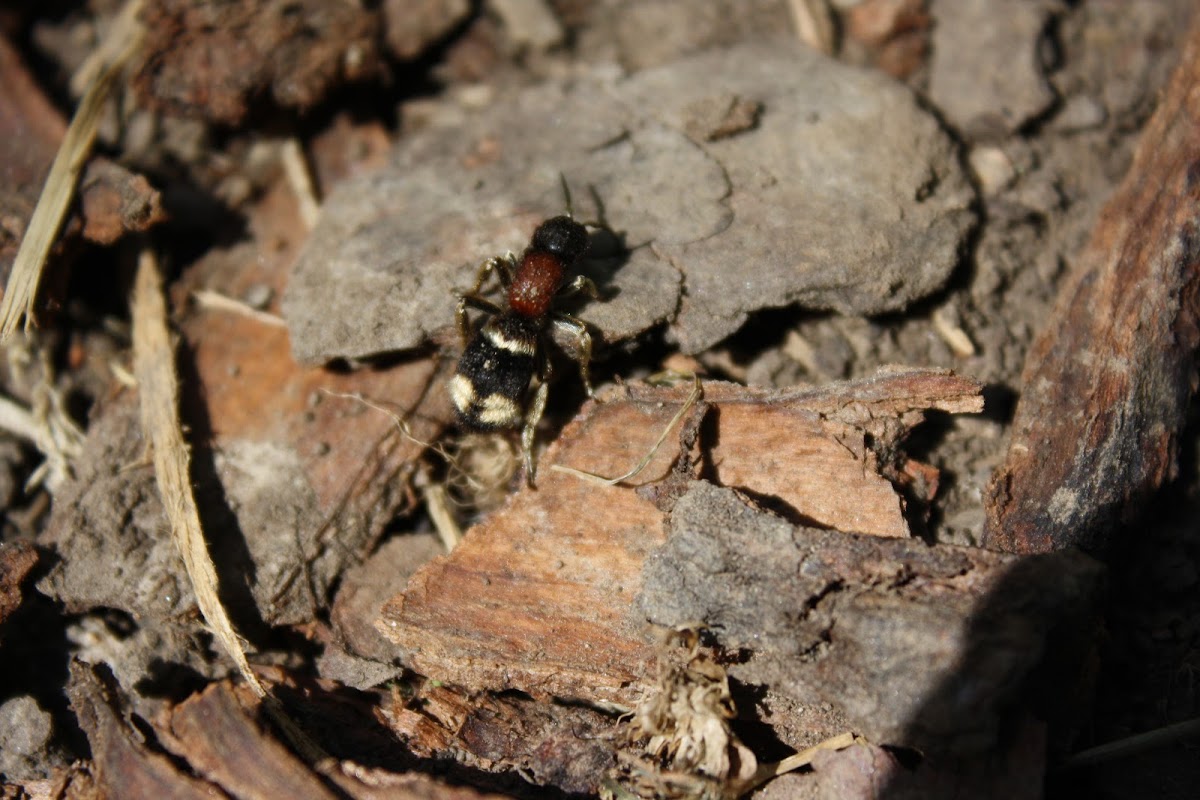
(767, 216)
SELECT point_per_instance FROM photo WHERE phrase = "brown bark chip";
(219, 748)
(115, 201)
(568, 747)
(124, 765)
(213, 59)
(17, 559)
(223, 743)
(538, 597)
(1108, 382)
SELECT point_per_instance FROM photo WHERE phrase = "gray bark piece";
(380, 270)
(845, 195)
(985, 73)
(796, 198)
(925, 647)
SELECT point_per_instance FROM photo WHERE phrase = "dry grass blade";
(21, 291)
(1159, 737)
(154, 367)
(207, 298)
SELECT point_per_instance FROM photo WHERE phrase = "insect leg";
(476, 302)
(503, 266)
(533, 415)
(583, 341)
(581, 283)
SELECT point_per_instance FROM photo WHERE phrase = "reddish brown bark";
(17, 559)
(1108, 382)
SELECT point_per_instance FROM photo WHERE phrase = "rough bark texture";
(214, 746)
(17, 559)
(1108, 382)
(125, 766)
(539, 598)
(934, 648)
(550, 744)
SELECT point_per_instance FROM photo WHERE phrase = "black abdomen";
(489, 386)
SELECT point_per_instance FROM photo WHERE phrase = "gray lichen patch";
(737, 180)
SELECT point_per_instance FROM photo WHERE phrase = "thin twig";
(814, 24)
(438, 503)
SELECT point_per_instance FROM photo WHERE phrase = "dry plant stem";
(1107, 384)
(952, 334)
(154, 367)
(16, 420)
(438, 504)
(46, 424)
(21, 291)
(51, 431)
(109, 51)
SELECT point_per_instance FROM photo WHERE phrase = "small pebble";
(258, 296)
(1079, 113)
(993, 169)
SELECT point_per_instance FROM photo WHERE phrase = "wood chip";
(538, 597)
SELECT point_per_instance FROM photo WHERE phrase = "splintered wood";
(540, 596)
(214, 745)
